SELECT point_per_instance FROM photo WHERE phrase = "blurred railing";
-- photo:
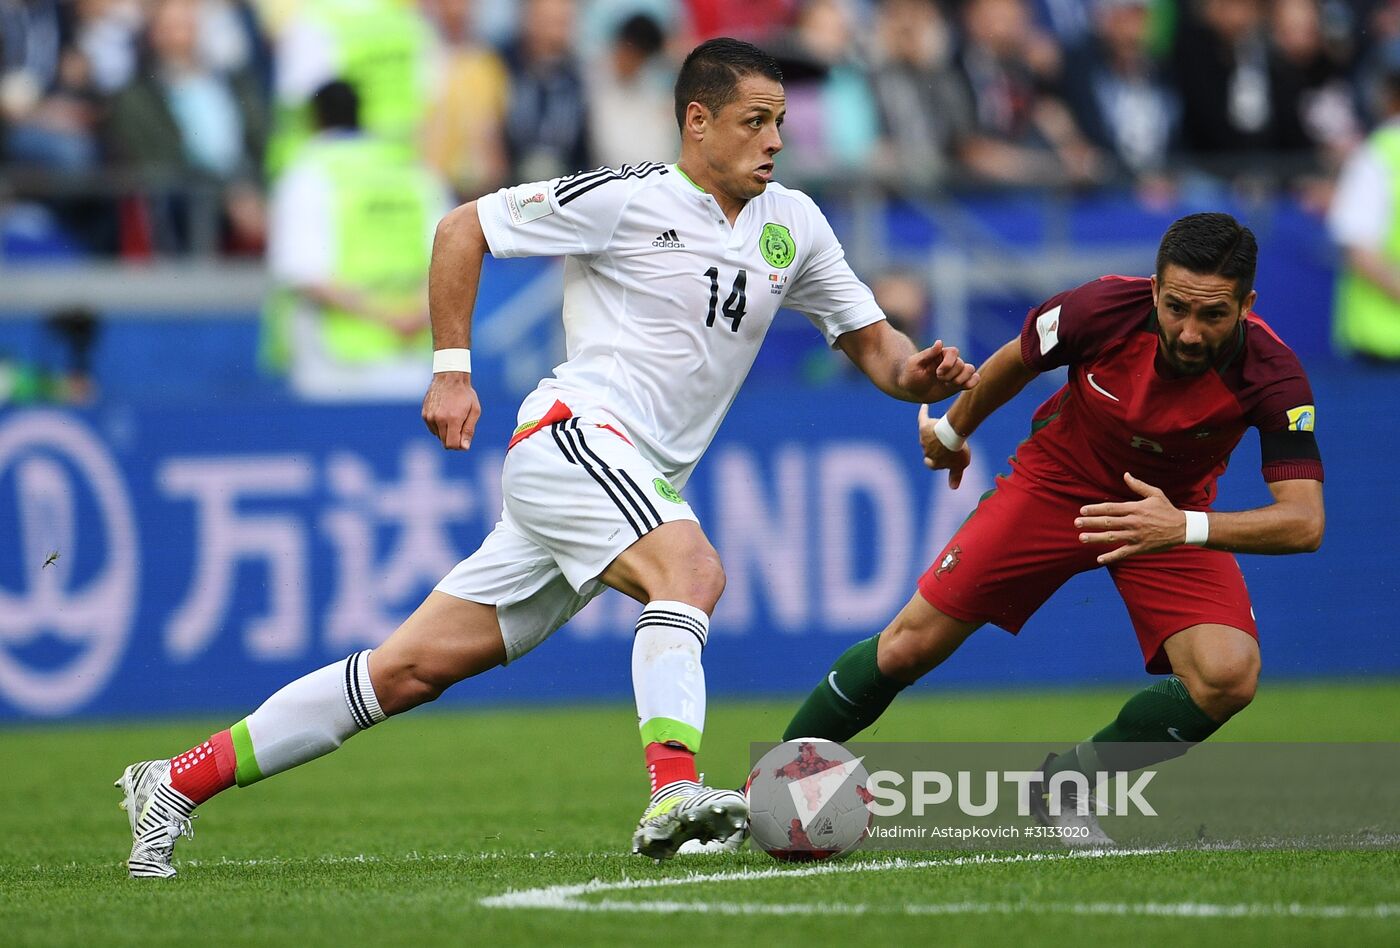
(970, 242)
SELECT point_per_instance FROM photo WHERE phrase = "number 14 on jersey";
(733, 309)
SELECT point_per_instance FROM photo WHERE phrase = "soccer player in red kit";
(1120, 469)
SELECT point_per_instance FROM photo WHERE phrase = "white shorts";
(576, 494)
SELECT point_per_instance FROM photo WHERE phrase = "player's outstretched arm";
(1293, 523)
(1001, 377)
(451, 407)
(890, 360)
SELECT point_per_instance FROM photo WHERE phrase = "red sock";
(204, 769)
(668, 763)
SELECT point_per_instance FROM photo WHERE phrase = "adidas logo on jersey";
(668, 241)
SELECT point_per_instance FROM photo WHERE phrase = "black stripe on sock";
(672, 625)
(350, 693)
(361, 661)
(675, 618)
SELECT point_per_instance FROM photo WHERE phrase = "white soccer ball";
(807, 800)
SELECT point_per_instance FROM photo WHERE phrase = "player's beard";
(1178, 358)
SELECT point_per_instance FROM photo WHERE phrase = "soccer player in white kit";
(673, 274)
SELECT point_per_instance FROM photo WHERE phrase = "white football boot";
(159, 814)
(1082, 829)
(687, 811)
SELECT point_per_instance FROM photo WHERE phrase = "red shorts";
(1020, 545)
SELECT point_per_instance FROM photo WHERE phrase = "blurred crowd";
(161, 103)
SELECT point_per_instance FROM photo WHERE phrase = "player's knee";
(697, 580)
(1225, 688)
(710, 579)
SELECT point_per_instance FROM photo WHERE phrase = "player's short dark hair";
(1214, 244)
(711, 73)
(336, 105)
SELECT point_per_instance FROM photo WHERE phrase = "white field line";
(570, 897)
(1155, 909)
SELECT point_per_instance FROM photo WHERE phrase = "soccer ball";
(807, 800)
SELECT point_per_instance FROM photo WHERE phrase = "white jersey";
(666, 304)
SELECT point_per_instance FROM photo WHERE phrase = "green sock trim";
(245, 768)
(663, 730)
(849, 699)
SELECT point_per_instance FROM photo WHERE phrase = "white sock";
(307, 719)
(667, 676)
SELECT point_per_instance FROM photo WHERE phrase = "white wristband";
(452, 360)
(948, 435)
(1197, 527)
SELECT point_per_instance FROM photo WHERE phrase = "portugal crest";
(776, 245)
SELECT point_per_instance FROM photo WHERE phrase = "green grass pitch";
(412, 833)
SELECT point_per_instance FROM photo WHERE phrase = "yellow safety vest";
(1366, 318)
(383, 206)
(381, 46)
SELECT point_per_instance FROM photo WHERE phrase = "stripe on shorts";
(559, 440)
(566, 443)
(620, 488)
(646, 511)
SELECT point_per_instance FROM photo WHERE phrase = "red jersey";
(1123, 411)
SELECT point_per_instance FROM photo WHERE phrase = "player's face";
(742, 138)
(1197, 315)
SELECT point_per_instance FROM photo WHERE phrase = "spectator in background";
(193, 124)
(547, 118)
(833, 124)
(1364, 220)
(1316, 115)
(463, 136)
(1375, 25)
(924, 109)
(1024, 133)
(47, 116)
(631, 107)
(1118, 93)
(381, 47)
(108, 34)
(1069, 22)
(1222, 76)
(600, 20)
(350, 235)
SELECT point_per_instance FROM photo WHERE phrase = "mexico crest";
(776, 245)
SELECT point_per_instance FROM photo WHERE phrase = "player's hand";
(451, 409)
(935, 373)
(937, 457)
(1140, 526)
